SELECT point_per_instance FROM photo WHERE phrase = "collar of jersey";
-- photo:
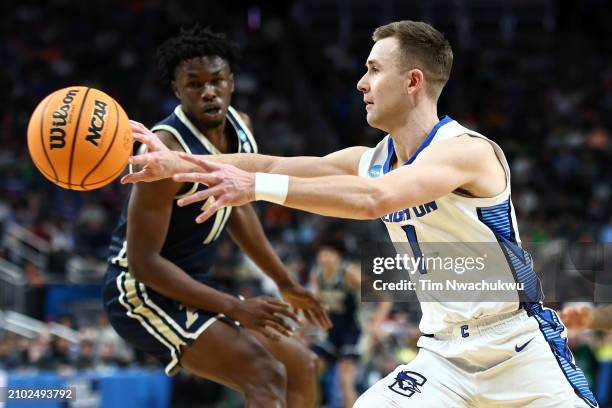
(180, 114)
(391, 149)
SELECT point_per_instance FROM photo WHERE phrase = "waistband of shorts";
(481, 326)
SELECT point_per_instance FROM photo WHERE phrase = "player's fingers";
(276, 302)
(278, 324)
(287, 312)
(137, 125)
(202, 195)
(324, 318)
(280, 328)
(318, 314)
(281, 305)
(134, 178)
(144, 159)
(204, 178)
(209, 212)
(193, 198)
(310, 317)
(203, 163)
(151, 141)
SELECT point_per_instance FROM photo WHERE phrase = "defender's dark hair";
(192, 43)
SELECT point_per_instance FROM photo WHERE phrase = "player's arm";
(246, 231)
(461, 163)
(440, 170)
(160, 162)
(149, 212)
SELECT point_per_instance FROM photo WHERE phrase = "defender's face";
(383, 85)
(204, 85)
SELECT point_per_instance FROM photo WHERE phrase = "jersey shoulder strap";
(372, 160)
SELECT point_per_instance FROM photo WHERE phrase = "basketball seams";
(61, 183)
(74, 137)
(66, 167)
(110, 146)
(112, 176)
(42, 139)
(44, 173)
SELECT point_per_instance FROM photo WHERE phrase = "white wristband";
(271, 187)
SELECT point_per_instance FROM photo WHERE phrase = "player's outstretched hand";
(302, 299)
(577, 317)
(229, 185)
(157, 163)
(265, 315)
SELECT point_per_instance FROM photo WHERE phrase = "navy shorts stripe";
(149, 321)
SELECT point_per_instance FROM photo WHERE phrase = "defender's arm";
(149, 213)
(246, 231)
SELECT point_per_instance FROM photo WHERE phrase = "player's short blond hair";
(422, 47)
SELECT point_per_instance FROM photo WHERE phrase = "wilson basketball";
(79, 138)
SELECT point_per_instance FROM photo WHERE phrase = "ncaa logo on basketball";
(97, 123)
(407, 383)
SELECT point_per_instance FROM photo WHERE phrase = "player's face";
(327, 257)
(204, 85)
(383, 86)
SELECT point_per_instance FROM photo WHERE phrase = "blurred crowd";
(542, 91)
(98, 348)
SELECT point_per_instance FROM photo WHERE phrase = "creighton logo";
(407, 383)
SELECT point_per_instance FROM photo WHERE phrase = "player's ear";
(414, 80)
(175, 89)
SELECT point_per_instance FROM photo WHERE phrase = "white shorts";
(519, 359)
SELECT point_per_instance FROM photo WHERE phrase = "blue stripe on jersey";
(498, 218)
(429, 138)
(552, 329)
(390, 152)
(426, 142)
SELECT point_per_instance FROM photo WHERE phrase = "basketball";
(79, 138)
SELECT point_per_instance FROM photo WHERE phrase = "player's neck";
(410, 134)
(216, 135)
(329, 271)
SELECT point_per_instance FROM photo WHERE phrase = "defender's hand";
(302, 299)
(577, 317)
(157, 163)
(264, 315)
(229, 185)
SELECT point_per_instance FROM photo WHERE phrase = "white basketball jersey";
(459, 225)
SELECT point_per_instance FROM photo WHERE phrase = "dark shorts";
(149, 321)
(341, 343)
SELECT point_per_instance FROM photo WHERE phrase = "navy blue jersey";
(189, 245)
(343, 337)
(339, 298)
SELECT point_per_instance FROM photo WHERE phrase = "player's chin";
(210, 121)
(371, 119)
